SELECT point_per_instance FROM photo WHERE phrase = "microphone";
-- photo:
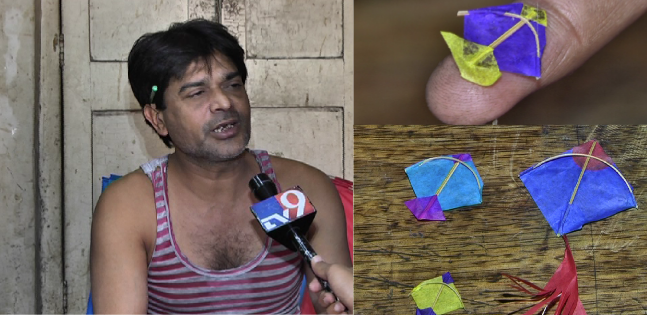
(285, 217)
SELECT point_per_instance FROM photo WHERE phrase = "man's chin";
(227, 156)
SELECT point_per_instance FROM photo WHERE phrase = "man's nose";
(219, 100)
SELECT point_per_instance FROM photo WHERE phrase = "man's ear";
(156, 119)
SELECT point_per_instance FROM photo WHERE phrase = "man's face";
(208, 112)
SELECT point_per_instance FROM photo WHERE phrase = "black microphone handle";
(301, 243)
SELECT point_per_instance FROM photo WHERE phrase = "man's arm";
(327, 235)
(118, 256)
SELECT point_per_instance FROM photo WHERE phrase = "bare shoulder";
(123, 235)
(127, 205)
(291, 173)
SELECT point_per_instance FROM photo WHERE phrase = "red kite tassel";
(562, 288)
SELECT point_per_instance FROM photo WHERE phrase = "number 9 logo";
(294, 204)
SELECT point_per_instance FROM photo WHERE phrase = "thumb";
(576, 30)
(320, 267)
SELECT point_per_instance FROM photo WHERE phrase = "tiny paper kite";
(443, 183)
(508, 38)
(581, 185)
(439, 294)
(562, 287)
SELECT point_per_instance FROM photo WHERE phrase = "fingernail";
(338, 307)
(316, 259)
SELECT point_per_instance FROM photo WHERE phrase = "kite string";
(586, 155)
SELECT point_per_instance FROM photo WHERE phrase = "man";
(177, 235)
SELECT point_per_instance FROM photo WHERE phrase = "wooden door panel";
(296, 82)
(305, 134)
(294, 29)
(116, 24)
(121, 142)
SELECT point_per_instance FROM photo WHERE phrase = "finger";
(315, 286)
(335, 308)
(325, 299)
(576, 30)
(320, 267)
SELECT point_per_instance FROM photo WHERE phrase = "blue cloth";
(105, 181)
(462, 189)
(518, 53)
(601, 193)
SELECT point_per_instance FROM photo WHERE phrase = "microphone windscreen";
(262, 186)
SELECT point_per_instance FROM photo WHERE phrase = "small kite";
(581, 185)
(437, 296)
(443, 183)
(562, 287)
(508, 38)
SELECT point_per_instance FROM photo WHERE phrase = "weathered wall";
(17, 187)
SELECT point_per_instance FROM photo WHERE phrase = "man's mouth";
(224, 127)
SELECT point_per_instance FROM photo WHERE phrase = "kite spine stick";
(579, 180)
(507, 34)
(577, 186)
(451, 172)
(437, 296)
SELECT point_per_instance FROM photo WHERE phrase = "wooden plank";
(296, 82)
(506, 233)
(112, 41)
(288, 132)
(49, 155)
(294, 29)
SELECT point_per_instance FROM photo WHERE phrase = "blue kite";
(444, 183)
(581, 185)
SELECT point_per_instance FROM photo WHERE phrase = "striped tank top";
(267, 284)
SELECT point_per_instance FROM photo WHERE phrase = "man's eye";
(235, 85)
(198, 93)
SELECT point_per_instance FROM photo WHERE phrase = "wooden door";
(299, 57)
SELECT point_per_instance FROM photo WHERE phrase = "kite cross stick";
(522, 21)
(588, 156)
(451, 172)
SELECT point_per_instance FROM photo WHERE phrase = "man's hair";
(156, 58)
